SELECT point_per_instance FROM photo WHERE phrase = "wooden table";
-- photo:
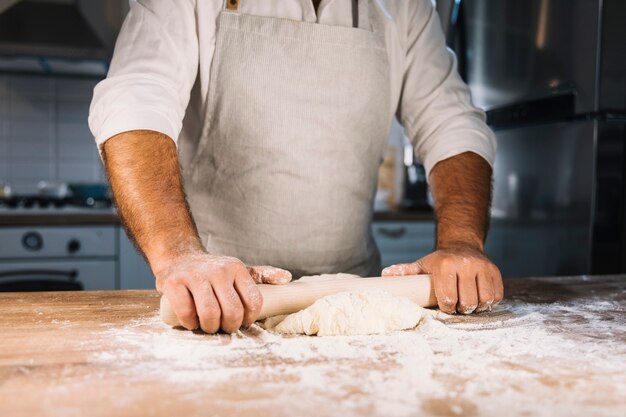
(557, 346)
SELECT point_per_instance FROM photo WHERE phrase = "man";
(280, 110)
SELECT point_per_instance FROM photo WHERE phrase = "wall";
(44, 133)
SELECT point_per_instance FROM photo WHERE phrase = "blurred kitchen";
(551, 75)
(58, 229)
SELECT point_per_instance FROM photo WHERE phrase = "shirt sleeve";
(153, 69)
(435, 105)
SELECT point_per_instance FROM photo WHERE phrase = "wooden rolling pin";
(297, 295)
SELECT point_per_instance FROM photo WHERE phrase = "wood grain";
(52, 347)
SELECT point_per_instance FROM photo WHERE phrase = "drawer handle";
(393, 233)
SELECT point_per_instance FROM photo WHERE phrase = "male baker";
(278, 112)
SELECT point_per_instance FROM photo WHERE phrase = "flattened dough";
(350, 313)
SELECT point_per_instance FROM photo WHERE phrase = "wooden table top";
(555, 346)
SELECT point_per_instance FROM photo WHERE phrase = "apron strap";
(363, 20)
(355, 14)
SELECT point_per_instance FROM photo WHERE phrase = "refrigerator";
(551, 75)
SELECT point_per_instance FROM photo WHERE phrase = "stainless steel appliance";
(48, 258)
(74, 37)
(43, 248)
(552, 76)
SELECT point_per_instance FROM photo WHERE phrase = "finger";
(256, 273)
(250, 297)
(484, 285)
(444, 279)
(207, 307)
(496, 278)
(230, 305)
(183, 305)
(468, 291)
(413, 268)
(265, 274)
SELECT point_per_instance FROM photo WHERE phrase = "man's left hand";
(465, 280)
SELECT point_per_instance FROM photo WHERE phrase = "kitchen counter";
(556, 346)
(399, 215)
(59, 217)
(82, 217)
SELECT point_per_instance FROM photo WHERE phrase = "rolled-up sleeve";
(435, 105)
(153, 69)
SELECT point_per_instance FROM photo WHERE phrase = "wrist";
(464, 242)
(162, 255)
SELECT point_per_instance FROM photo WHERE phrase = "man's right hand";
(215, 292)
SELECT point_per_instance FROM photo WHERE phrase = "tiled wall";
(44, 133)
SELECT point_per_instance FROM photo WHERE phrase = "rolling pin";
(297, 295)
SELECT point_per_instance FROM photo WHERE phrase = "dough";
(350, 313)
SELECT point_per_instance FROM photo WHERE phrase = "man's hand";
(215, 292)
(465, 279)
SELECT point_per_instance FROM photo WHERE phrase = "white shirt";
(159, 74)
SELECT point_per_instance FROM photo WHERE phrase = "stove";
(40, 202)
(50, 243)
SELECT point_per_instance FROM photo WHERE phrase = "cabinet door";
(135, 273)
(402, 242)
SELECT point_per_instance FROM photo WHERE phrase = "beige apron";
(296, 124)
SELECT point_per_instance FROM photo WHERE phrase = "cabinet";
(403, 241)
(530, 248)
(135, 273)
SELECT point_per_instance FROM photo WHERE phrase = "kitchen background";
(44, 133)
(551, 74)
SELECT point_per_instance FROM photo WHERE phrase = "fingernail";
(468, 310)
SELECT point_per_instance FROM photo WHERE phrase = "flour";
(519, 357)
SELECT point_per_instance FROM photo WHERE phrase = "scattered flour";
(522, 359)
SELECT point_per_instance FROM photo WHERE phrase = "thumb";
(413, 268)
(265, 274)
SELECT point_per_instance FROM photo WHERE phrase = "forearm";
(144, 174)
(211, 291)
(461, 188)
